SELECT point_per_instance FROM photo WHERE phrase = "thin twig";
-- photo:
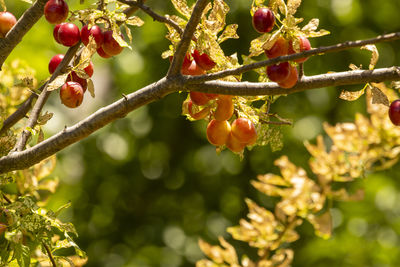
(316, 51)
(46, 247)
(7, 199)
(154, 15)
(183, 45)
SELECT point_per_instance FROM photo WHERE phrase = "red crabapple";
(394, 112)
(291, 80)
(278, 72)
(55, 32)
(234, 144)
(54, 62)
(224, 110)
(197, 115)
(7, 21)
(199, 98)
(110, 45)
(263, 20)
(244, 130)
(304, 46)
(218, 132)
(56, 11)
(279, 48)
(73, 77)
(89, 69)
(101, 53)
(94, 31)
(68, 34)
(203, 60)
(71, 94)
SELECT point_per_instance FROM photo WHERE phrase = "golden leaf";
(134, 21)
(378, 97)
(374, 56)
(229, 32)
(43, 119)
(57, 82)
(216, 20)
(293, 5)
(351, 95)
(311, 26)
(90, 87)
(256, 45)
(3, 5)
(182, 7)
(87, 53)
(322, 224)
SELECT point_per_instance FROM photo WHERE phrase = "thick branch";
(316, 51)
(43, 98)
(154, 15)
(31, 156)
(24, 24)
(305, 83)
(70, 135)
(183, 45)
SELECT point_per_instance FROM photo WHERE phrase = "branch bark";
(155, 91)
(24, 24)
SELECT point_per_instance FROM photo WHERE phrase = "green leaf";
(22, 254)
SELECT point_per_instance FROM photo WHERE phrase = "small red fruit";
(203, 60)
(110, 46)
(54, 62)
(73, 77)
(199, 98)
(263, 20)
(192, 69)
(394, 112)
(197, 115)
(291, 80)
(234, 144)
(68, 34)
(101, 53)
(279, 72)
(56, 11)
(280, 48)
(71, 94)
(218, 132)
(55, 32)
(7, 21)
(90, 69)
(94, 31)
(304, 46)
(244, 130)
(224, 110)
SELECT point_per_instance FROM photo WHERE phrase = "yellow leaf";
(322, 224)
(311, 26)
(293, 5)
(351, 95)
(374, 56)
(90, 87)
(182, 7)
(134, 21)
(378, 97)
(229, 32)
(256, 46)
(43, 119)
(57, 82)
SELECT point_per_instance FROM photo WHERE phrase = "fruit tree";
(260, 96)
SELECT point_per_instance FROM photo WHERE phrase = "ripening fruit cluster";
(219, 108)
(7, 21)
(285, 74)
(68, 34)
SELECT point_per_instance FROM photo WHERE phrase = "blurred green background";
(145, 188)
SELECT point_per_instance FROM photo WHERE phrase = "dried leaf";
(378, 97)
(27, 1)
(351, 95)
(322, 224)
(256, 45)
(57, 82)
(134, 21)
(229, 32)
(182, 7)
(87, 53)
(128, 33)
(43, 119)
(374, 56)
(311, 26)
(292, 6)
(354, 67)
(90, 87)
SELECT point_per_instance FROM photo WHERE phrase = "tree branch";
(24, 24)
(155, 91)
(43, 98)
(70, 135)
(18, 114)
(316, 51)
(183, 45)
(305, 83)
(154, 15)
(46, 247)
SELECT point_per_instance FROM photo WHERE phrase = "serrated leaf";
(90, 87)
(57, 82)
(378, 97)
(292, 6)
(229, 32)
(351, 95)
(134, 21)
(312, 25)
(374, 56)
(182, 7)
